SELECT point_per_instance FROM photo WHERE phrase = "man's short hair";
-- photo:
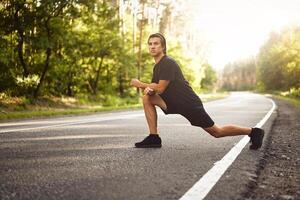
(162, 40)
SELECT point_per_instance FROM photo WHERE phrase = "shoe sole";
(255, 147)
(149, 146)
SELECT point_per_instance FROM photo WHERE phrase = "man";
(172, 93)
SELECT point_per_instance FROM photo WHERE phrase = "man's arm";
(156, 87)
(160, 86)
(139, 84)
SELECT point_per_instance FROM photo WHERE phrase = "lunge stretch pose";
(170, 91)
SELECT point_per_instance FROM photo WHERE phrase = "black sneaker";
(256, 138)
(151, 141)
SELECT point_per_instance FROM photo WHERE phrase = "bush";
(294, 92)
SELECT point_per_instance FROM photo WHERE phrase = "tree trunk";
(20, 54)
(47, 61)
(165, 19)
(121, 86)
(69, 89)
(122, 30)
(46, 67)
(139, 61)
(20, 43)
(95, 85)
(107, 75)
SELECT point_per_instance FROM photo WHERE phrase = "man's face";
(155, 47)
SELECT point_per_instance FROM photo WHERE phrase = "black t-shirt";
(179, 96)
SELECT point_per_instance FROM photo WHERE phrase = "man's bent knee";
(214, 131)
(215, 134)
(146, 99)
(154, 100)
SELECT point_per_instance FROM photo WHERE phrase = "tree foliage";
(239, 75)
(279, 61)
(86, 47)
(277, 66)
(209, 77)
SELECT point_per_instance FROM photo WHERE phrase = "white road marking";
(127, 116)
(57, 120)
(63, 149)
(198, 191)
(201, 188)
(65, 137)
(66, 122)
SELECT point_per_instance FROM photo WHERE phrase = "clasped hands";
(137, 83)
(149, 91)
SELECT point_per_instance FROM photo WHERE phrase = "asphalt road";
(92, 156)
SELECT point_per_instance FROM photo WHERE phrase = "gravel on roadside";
(278, 174)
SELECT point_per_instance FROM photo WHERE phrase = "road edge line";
(203, 186)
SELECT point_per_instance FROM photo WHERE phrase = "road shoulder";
(270, 173)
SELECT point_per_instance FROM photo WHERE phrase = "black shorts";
(196, 115)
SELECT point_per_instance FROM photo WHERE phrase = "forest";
(275, 68)
(92, 49)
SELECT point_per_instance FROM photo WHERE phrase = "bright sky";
(237, 28)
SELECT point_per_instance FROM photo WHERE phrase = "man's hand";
(149, 91)
(135, 82)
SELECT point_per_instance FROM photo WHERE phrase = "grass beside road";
(292, 96)
(292, 100)
(21, 107)
(205, 97)
(58, 111)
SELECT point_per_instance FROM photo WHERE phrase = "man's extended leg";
(256, 134)
(228, 130)
(149, 102)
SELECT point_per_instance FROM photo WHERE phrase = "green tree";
(240, 75)
(279, 61)
(87, 48)
(209, 77)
